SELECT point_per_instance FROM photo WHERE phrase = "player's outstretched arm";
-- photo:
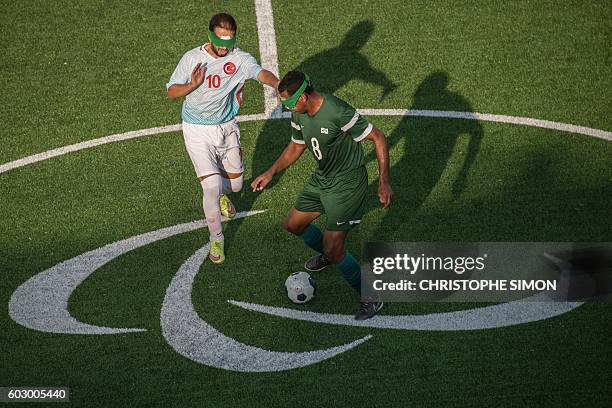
(181, 90)
(385, 192)
(289, 156)
(268, 78)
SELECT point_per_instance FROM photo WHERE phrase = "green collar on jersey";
(292, 100)
(219, 42)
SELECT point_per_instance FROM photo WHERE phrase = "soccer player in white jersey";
(210, 78)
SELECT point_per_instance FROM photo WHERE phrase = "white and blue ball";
(300, 287)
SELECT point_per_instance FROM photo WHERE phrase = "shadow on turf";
(274, 138)
(428, 145)
(323, 67)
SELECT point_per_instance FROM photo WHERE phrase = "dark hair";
(223, 20)
(292, 81)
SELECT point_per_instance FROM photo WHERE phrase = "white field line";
(86, 145)
(251, 118)
(485, 117)
(267, 51)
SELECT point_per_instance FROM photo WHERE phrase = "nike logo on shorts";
(350, 222)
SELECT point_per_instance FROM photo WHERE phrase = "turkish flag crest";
(229, 68)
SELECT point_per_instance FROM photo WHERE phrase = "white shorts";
(214, 148)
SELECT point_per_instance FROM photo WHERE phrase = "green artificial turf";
(74, 71)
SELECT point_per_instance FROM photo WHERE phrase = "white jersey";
(218, 99)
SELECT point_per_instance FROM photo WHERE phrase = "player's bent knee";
(293, 227)
(211, 187)
(288, 226)
(236, 183)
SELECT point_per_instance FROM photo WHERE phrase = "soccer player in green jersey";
(332, 130)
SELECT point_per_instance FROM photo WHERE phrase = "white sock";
(232, 185)
(211, 187)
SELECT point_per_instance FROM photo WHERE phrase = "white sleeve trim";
(295, 126)
(351, 122)
(297, 141)
(365, 133)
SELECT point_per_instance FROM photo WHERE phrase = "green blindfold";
(292, 100)
(219, 42)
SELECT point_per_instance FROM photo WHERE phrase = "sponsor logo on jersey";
(229, 68)
(324, 131)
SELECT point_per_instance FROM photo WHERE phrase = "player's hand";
(261, 181)
(385, 194)
(197, 75)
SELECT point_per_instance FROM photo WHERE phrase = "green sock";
(313, 237)
(351, 271)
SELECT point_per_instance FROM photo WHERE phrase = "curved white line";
(564, 127)
(86, 145)
(41, 303)
(487, 117)
(489, 317)
(197, 340)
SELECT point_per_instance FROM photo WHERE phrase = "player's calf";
(211, 188)
(333, 245)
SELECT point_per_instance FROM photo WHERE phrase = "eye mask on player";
(292, 100)
(220, 42)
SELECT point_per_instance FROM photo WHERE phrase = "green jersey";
(332, 136)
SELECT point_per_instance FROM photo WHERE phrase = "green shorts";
(342, 199)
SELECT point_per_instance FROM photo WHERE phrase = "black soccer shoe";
(316, 263)
(368, 308)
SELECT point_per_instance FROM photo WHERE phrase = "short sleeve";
(352, 123)
(250, 68)
(182, 72)
(296, 130)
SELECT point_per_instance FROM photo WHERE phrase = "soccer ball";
(300, 287)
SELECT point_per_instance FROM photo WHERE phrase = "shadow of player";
(428, 144)
(429, 157)
(334, 68)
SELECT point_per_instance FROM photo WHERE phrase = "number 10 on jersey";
(214, 81)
